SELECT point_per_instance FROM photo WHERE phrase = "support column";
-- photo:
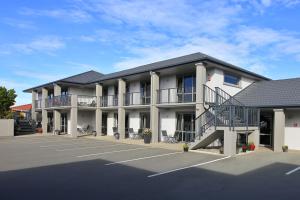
(279, 129)
(73, 115)
(57, 114)
(230, 138)
(154, 110)
(200, 81)
(121, 109)
(44, 111)
(33, 107)
(98, 117)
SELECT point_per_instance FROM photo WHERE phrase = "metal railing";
(175, 95)
(58, 101)
(109, 101)
(136, 98)
(38, 104)
(226, 111)
(86, 101)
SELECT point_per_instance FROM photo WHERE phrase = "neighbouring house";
(22, 111)
(196, 98)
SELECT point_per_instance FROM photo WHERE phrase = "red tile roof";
(25, 107)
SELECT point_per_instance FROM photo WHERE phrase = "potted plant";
(251, 146)
(221, 150)
(117, 136)
(285, 148)
(147, 135)
(244, 148)
(185, 147)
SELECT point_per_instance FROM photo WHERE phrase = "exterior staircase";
(24, 127)
(224, 111)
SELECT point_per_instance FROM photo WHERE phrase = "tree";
(7, 99)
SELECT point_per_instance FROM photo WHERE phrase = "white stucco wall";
(217, 80)
(292, 129)
(110, 123)
(166, 82)
(82, 91)
(134, 120)
(168, 121)
(85, 118)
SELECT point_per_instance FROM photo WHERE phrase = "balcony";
(38, 104)
(86, 101)
(176, 95)
(58, 101)
(109, 101)
(136, 98)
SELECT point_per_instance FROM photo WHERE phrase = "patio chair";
(166, 138)
(84, 130)
(140, 133)
(132, 134)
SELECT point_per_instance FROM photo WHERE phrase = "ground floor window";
(185, 127)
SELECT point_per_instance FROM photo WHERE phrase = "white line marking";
(109, 152)
(94, 147)
(183, 168)
(292, 171)
(143, 158)
(66, 144)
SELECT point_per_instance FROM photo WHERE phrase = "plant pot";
(285, 149)
(252, 147)
(147, 139)
(185, 149)
(221, 150)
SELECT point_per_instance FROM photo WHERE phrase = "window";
(231, 79)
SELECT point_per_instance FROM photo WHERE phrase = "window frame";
(234, 76)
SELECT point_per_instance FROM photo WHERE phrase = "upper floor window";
(231, 79)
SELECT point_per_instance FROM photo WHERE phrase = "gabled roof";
(82, 78)
(272, 94)
(25, 107)
(191, 58)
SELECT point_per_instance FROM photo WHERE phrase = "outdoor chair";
(132, 134)
(166, 138)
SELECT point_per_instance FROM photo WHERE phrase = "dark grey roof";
(93, 77)
(196, 57)
(277, 93)
(82, 78)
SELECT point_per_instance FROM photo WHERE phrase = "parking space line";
(66, 144)
(143, 158)
(188, 167)
(292, 171)
(93, 147)
(110, 152)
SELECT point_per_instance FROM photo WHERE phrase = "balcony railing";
(176, 95)
(38, 104)
(58, 101)
(136, 98)
(109, 101)
(86, 101)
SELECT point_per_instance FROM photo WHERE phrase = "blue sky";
(45, 40)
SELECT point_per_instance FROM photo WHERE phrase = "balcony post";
(57, 114)
(279, 129)
(33, 108)
(44, 111)
(121, 109)
(200, 81)
(154, 110)
(99, 91)
(73, 115)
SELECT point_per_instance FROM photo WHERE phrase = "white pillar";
(121, 109)
(279, 129)
(200, 81)
(98, 117)
(33, 107)
(154, 110)
(57, 114)
(230, 139)
(73, 115)
(44, 111)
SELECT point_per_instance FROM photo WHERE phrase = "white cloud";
(46, 77)
(21, 24)
(76, 15)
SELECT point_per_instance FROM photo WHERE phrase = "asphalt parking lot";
(56, 167)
